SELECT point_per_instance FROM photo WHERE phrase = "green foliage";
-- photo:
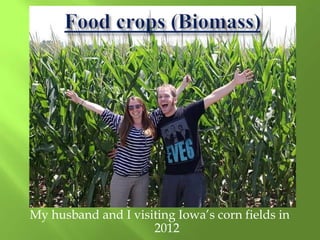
(248, 139)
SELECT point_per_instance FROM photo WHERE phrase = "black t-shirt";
(180, 137)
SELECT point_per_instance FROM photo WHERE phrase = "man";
(183, 181)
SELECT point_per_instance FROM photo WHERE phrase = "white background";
(280, 21)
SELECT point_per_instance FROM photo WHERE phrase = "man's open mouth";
(164, 106)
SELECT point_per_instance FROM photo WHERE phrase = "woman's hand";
(73, 96)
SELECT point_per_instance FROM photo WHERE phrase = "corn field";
(248, 139)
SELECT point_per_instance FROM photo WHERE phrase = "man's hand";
(187, 79)
(244, 77)
(112, 153)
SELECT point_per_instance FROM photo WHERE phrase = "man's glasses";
(137, 106)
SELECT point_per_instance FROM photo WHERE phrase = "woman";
(131, 162)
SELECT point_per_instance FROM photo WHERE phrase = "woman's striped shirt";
(134, 158)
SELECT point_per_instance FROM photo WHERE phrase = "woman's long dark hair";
(127, 122)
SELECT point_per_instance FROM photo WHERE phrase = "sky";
(280, 21)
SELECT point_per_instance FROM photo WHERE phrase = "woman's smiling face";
(135, 108)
